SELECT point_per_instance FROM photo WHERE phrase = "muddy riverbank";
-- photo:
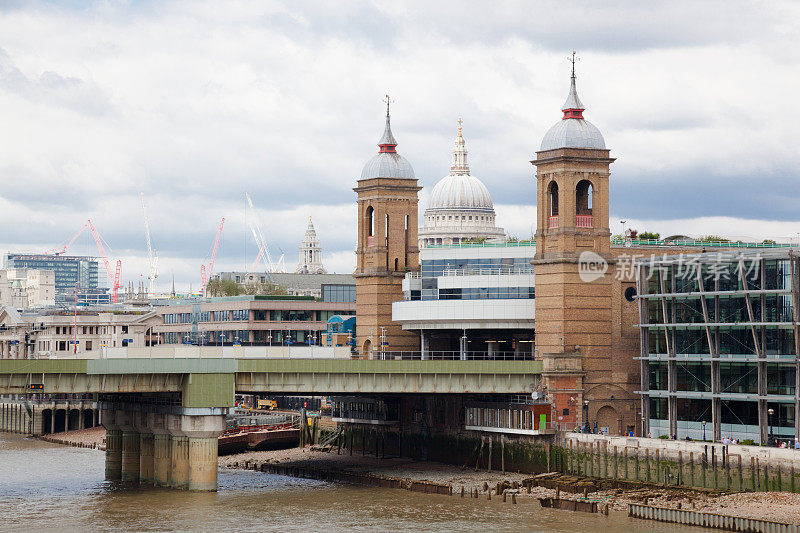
(776, 506)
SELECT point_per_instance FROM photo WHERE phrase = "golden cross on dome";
(572, 60)
(459, 126)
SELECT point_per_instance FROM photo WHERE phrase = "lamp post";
(704, 430)
(586, 413)
(771, 412)
(623, 229)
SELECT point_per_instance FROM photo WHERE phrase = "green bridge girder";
(212, 382)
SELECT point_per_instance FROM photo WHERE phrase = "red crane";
(114, 279)
(206, 276)
(63, 249)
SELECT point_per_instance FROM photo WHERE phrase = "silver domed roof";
(387, 165)
(459, 191)
(573, 133)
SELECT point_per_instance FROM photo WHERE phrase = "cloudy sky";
(196, 103)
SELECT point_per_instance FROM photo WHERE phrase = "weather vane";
(572, 60)
(388, 100)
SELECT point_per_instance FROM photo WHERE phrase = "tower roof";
(387, 142)
(573, 131)
(573, 102)
(387, 163)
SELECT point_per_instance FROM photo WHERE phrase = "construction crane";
(258, 236)
(152, 255)
(205, 276)
(112, 276)
(63, 249)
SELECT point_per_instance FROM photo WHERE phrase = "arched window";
(552, 192)
(370, 221)
(583, 198)
(396, 268)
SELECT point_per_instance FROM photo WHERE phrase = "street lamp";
(704, 430)
(586, 414)
(623, 228)
(771, 412)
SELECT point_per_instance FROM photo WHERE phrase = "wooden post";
(491, 440)
(680, 467)
(503, 453)
(478, 460)
(647, 464)
(691, 468)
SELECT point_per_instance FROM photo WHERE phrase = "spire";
(460, 165)
(573, 107)
(387, 142)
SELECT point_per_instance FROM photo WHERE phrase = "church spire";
(460, 165)
(573, 107)
(387, 142)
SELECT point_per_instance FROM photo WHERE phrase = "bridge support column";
(194, 450)
(113, 445)
(179, 473)
(203, 463)
(130, 446)
(145, 447)
(180, 462)
(162, 459)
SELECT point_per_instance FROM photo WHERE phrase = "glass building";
(68, 270)
(471, 301)
(719, 348)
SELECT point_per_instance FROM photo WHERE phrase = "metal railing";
(436, 355)
(486, 271)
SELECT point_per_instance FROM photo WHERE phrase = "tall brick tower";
(387, 246)
(572, 267)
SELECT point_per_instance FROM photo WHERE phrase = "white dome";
(387, 165)
(460, 191)
(573, 133)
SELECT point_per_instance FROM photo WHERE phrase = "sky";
(195, 104)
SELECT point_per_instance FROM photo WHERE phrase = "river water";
(48, 486)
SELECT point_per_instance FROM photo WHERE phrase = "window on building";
(370, 221)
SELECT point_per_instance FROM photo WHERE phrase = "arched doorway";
(47, 421)
(367, 347)
(60, 421)
(74, 420)
(607, 420)
(88, 418)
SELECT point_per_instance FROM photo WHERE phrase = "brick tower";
(387, 246)
(572, 267)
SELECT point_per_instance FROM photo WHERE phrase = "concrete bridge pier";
(162, 449)
(146, 458)
(202, 432)
(113, 445)
(130, 446)
(179, 478)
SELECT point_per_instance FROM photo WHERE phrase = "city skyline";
(195, 107)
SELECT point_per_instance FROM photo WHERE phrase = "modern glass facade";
(68, 270)
(718, 345)
(433, 269)
(338, 293)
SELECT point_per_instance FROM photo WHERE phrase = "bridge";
(163, 416)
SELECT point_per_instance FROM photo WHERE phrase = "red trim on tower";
(572, 113)
(388, 148)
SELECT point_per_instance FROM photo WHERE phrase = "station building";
(577, 311)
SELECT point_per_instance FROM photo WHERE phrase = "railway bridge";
(163, 416)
